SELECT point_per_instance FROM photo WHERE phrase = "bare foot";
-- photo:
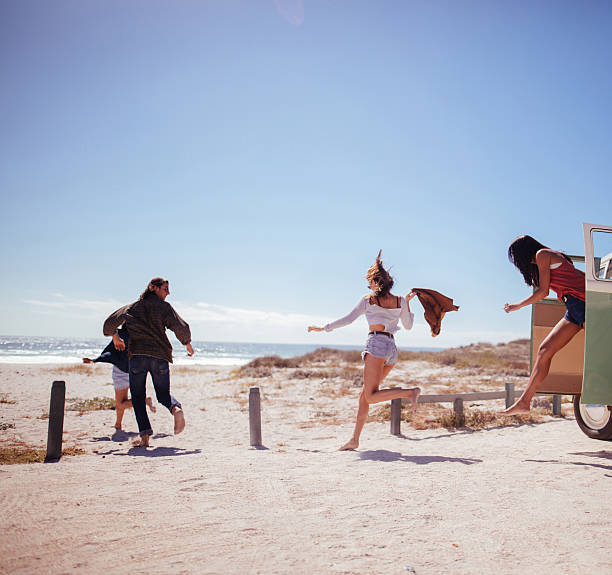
(516, 409)
(142, 442)
(179, 420)
(350, 445)
(149, 402)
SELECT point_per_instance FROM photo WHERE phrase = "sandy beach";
(525, 498)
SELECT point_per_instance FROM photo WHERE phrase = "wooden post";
(458, 409)
(255, 416)
(56, 421)
(396, 416)
(556, 405)
(509, 394)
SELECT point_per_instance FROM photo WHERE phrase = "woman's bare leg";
(374, 372)
(558, 338)
(121, 404)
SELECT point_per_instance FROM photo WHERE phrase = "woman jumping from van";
(383, 310)
(546, 269)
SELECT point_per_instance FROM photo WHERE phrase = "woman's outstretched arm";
(406, 315)
(358, 310)
(543, 259)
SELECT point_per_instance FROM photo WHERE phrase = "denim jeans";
(574, 309)
(159, 369)
(382, 347)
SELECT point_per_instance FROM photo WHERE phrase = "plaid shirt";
(146, 321)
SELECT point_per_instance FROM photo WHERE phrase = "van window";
(602, 251)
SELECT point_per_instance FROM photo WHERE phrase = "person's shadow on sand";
(119, 436)
(599, 454)
(159, 452)
(150, 452)
(390, 456)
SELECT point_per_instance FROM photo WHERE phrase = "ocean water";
(24, 349)
(28, 349)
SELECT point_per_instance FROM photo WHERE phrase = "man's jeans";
(140, 365)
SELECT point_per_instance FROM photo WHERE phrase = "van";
(583, 368)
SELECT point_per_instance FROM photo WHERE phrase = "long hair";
(150, 291)
(382, 278)
(522, 252)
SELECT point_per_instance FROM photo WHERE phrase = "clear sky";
(259, 153)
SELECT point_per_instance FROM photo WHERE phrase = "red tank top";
(567, 280)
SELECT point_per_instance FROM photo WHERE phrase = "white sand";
(529, 499)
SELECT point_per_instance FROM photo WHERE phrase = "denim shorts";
(121, 380)
(574, 309)
(382, 347)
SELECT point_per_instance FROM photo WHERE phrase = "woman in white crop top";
(383, 312)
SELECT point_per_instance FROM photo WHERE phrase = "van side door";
(597, 373)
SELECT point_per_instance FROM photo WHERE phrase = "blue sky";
(260, 153)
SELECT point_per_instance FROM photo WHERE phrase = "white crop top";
(376, 314)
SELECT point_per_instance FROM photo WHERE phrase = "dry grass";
(24, 454)
(335, 374)
(326, 355)
(324, 417)
(435, 415)
(186, 370)
(337, 390)
(352, 375)
(483, 419)
(504, 359)
(80, 368)
(349, 377)
(262, 366)
(92, 404)
(85, 405)
(4, 399)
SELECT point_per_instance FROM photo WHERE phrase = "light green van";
(583, 368)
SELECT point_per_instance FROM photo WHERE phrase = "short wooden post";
(458, 409)
(56, 421)
(396, 416)
(556, 405)
(255, 416)
(509, 394)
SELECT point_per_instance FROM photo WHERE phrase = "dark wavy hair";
(522, 252)
(150, 291)
(382, 278)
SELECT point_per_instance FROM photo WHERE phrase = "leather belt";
(382, 333)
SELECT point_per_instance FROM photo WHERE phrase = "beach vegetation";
(85, 405)
(186, 369)
(435, 415)
(91, 404)
(78, 368)
(19, 454)
(504, 359)
(327, 355)
(5, 399)
(483, 419)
